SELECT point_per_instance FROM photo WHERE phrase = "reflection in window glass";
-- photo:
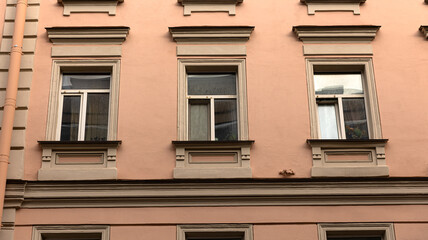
(85, 81)
(212, 84)
(70, 118)
(354, 113)
(226, 122)
(338, 83)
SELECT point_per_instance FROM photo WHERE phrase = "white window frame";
(343, 65)
(338, 98)
(211, 99)
(64, 230)
(83, 93)
(56, 93)
(211, 65)
(383, 230)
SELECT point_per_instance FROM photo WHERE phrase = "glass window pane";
(338, 83)
(211, 84)
(354, 113)
(199, 120)
(86, 81)
(328, 121)
(70, 118)
(97, 117)
(226, 124)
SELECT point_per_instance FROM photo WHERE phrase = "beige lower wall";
(411, 231)
(268, 231)
(201, 215)
(143, 232)
(286, 232)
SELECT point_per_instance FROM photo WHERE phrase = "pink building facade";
(225, 120)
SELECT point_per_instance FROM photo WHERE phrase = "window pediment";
(88, 35)
(338, 33)
(209, 34)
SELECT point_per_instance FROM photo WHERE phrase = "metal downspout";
(11, 92)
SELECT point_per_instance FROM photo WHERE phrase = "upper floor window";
(85, 107)
(341, 106)
(213, 106)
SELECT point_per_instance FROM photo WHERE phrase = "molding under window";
(385, 231)
(84, 160)
(215, 193)
(338, 33)
(89, 6)
(83, 232)
(349, 158)
(333, 6)
(87, 35)
(209, 6)
(226, 159)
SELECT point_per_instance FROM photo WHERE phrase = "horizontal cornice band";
(214, 193)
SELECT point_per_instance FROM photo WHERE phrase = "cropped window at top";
(212, 106)
(85, 107)
(354, 238)
(72, 236)
(341, 106)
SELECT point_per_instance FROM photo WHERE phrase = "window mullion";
(82, 124)
(341, 125)
(212, 119)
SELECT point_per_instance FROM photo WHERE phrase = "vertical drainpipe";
(11, 92)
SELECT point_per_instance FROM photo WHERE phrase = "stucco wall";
(276, 83)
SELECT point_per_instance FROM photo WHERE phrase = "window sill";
(348, 158)
(212, 159)
(78, 160)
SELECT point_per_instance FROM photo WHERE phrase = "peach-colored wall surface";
(202, 215)
(276, 83)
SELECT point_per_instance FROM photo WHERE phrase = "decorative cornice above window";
(424, 29)
(87, 35)
(333, 6)
(211, 34)
(339, 33)
(89, 6)
(209, 6)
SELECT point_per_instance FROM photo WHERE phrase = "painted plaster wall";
(276, 83)
(410, 222)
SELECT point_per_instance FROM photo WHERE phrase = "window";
(356, 231)
(212, 106)
(83, 232)
(341, 106)
(85, 107)
(345, 123)
(212, 120)
(215, 232)
(82, 121)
